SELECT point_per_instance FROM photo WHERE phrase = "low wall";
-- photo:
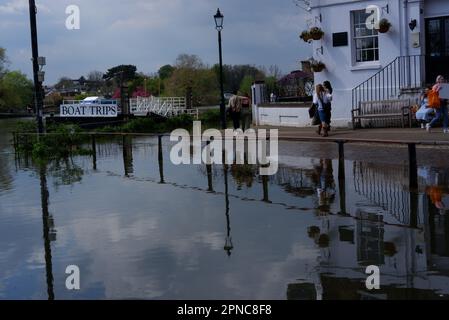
(288, 115)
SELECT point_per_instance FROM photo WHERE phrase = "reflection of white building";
(365, 65)
(377, 233)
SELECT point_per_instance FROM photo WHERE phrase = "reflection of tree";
(243, 174)
(5, 176)
(65, 172)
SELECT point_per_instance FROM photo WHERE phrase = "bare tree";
(275, 71)
(95, 76)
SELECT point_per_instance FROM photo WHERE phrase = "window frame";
(355, 38)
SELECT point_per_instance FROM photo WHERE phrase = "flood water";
(138, 226)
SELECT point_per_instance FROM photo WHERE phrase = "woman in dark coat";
(328, 107)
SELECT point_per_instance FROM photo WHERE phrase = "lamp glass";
(218, 20)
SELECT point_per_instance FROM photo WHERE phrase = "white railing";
(163, 106)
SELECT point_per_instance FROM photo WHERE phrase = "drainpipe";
(404, 26)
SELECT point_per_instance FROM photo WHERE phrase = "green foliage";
(165, 71)
(61, 141)
(234, 75)
(210, 116)
(16, 91)
(81, 96)
(191, 73)
(139, 125)
(245, 85)
(129, 72)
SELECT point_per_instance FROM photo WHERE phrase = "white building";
(363, 64)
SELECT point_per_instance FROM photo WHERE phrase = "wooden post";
(94, 152)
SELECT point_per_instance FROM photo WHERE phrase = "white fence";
(163, 106)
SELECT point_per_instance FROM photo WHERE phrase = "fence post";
(94, 152)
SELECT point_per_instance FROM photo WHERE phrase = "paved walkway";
(388, 135)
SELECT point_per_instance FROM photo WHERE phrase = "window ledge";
(367, 66)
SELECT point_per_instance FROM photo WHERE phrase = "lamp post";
(219, 26)
(37, 64)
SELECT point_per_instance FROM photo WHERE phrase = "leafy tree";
(16, 91)
(165, 71)
(191, 73)
(234, 75)
(129, 72)
(245, 86)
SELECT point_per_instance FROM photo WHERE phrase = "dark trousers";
(235, 116)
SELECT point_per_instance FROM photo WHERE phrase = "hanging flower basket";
(318, 66)
(306, 36)
(316, 33)
(384, 26)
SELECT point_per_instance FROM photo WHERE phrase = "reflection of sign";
(444, 92)
(91, 110)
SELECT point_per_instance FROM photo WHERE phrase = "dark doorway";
(437, 48)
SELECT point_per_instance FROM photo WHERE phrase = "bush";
(210, 116)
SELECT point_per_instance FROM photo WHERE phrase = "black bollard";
(161, 160)
(413, 166)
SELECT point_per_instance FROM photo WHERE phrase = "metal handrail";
(404, 72)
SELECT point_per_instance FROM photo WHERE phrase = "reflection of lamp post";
(228, 243)
(47, 231)
(219, 26)
(38, 63)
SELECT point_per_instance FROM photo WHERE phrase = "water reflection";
(49, 232)
(306, 233)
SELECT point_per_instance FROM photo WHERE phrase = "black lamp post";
(38, 74)
(219, 26)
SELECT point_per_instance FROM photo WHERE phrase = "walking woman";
(320, 99)
(328, 107)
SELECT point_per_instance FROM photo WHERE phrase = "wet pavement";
(140, 227)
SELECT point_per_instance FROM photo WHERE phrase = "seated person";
(425, 114)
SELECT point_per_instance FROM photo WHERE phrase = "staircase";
(403, 78)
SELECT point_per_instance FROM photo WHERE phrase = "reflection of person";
(246, 112)
(324, 179)
(435, 194)
(435, 182)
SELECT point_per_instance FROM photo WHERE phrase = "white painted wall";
(343, 73)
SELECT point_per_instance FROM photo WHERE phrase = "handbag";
(313, 110)
(316, 119)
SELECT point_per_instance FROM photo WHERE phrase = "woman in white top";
(320, 99)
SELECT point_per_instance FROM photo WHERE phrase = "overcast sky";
(151, 33)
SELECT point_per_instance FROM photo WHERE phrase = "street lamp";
(218, 17)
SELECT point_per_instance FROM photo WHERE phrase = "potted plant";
(305, 35)
(316, 33)
(317, 66)
(384, 26)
